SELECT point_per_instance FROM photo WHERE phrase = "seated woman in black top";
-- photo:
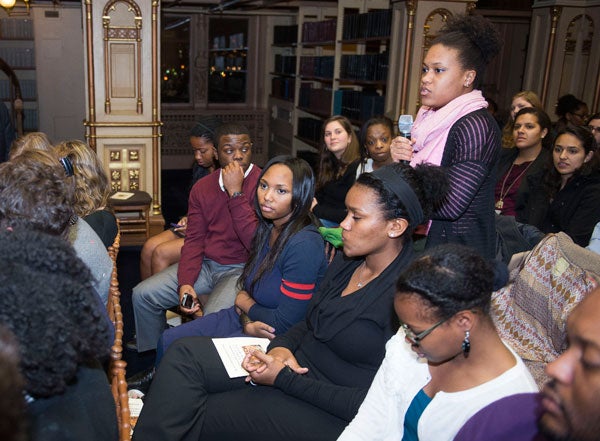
(337, 170)
(314, 377)
(572, 187)
(522, 167)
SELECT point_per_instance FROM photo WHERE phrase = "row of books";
(18, 57)
(358, 105)
(317, 100)
(229, 63)
(232, 41)
(372, 24)
(370, 67)
(285, 34)
(30, 120)
(283, 88)
(285, 64)
(28, 89)
(15, 29)
(318, 31)
(310, 128)
(317, 66)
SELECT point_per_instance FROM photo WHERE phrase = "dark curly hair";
(429, 182)
(47, 300)
(12, 402)
(35, 193)
(230, 129)
(476, 40)
(568, 104)
(449, 278)
(205, 128)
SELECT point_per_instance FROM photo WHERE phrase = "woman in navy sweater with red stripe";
(286, 263)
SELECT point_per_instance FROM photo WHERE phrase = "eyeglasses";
(581, 115)
(594, 129)
(415, 339)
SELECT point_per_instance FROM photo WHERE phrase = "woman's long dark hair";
(303, 191)
(552, 179)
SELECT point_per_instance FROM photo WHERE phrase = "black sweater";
(342, 341)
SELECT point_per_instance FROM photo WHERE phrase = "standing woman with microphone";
(453, 129)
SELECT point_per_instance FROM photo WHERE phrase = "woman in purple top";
(286, 263)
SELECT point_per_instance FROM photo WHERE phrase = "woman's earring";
(466, 344)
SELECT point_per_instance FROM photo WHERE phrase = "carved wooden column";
(123, 101)
(555, 14)
(564, 39)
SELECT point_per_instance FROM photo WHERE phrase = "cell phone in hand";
(187, 301)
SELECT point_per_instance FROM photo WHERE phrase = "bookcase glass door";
(175, 59)
(228, 42)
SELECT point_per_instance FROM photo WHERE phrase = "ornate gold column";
(89, 46)
(411, 8)
(121, 125)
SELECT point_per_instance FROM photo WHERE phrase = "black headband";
(394, 183)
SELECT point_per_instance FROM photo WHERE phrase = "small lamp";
(10, 4)
(7, 4)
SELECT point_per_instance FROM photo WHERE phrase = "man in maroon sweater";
(221, 224)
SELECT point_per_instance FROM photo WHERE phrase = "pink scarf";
(431, 127)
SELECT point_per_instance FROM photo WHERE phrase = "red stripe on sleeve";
(298, 286)
(295, 295)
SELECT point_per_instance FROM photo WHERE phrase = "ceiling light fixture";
(10, 4)
(7, 4)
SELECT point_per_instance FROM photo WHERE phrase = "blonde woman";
(521, 100)
(30, 141)
(91, 189)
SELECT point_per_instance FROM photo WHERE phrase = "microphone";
(405, 123)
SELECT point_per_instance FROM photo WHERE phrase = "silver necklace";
(360, 282)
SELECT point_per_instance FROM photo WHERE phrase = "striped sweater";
(470, 156)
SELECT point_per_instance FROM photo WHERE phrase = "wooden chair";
(134, 217)
(117, 367)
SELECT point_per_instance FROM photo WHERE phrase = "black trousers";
(192, 398)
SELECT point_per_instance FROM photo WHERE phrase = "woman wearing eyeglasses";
(594, 125)
(570, 110)
(447, 361)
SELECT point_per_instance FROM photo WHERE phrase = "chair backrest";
(530, 313)
(117, 368)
